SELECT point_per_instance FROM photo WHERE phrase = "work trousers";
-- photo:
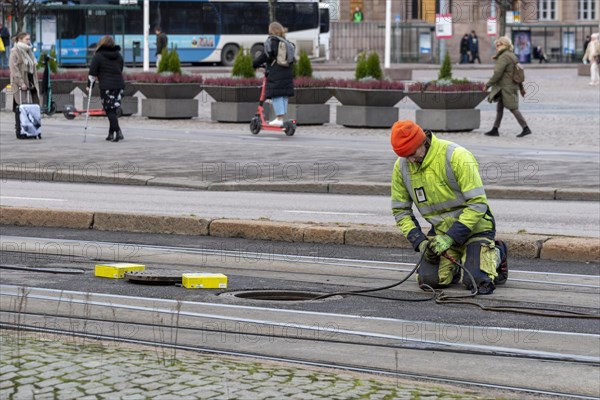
(478, 255)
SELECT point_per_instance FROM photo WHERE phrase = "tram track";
(350, 340)
(287, 339)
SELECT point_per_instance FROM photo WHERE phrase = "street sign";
(492, 26)
(443, 26)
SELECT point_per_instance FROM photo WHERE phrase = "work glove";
(428, 255)
(441, 243)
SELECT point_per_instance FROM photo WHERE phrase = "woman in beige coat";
(592, 52)
(504, 91)
(23, 77)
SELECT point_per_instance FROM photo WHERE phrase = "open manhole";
(169, 277)
(278, 295)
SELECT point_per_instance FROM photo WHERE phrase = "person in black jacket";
(280, 79)
(107, 69)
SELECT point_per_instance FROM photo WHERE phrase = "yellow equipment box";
(117, 270)
(204, 281)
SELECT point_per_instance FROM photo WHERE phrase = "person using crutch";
(106, 69)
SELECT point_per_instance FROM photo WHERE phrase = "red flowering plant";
(309, 82)
(373, 84)
(447, 85)
(151, 77)
(227, 81)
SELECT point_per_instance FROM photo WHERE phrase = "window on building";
(547, 10)
(586, 9)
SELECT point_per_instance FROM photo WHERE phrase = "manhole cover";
(155, 277)
(277, 295)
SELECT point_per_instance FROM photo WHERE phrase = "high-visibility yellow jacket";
(446, 189)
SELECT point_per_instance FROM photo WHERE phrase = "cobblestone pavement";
(59, 367)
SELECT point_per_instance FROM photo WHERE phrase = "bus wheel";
(228, 54)
(257, 50)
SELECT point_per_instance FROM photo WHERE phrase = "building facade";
(559, 27)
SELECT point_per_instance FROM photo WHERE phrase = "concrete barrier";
(519, 246)
(376, 236)
(124, 222)
(571, 249)
(257, 230)
(324, 234)
(46, 218)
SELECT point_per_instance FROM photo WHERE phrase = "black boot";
(118, 136)
(110, 136)
(526, 131)
(492, 132)
(502, 269)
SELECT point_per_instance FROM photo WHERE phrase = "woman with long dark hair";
(107, 69)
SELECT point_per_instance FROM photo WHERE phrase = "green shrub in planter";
(361, 67)
(163, 65)
(303, 67)
(52, 63)
(374, 66)
(174, 61)
(242, 65)
(446, 69)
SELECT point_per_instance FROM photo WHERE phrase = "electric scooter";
(258, 122)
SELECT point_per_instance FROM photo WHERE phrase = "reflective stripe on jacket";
(448, 192)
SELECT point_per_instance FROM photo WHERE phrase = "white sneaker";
(276, 122)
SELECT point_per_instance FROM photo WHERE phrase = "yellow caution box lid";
(117, 270)
(204, 280)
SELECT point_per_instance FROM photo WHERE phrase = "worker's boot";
(492, 132)
(110, 136)
(502, 269)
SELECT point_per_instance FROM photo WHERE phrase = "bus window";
(324, 20)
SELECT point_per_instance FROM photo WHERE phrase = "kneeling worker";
(442, 179)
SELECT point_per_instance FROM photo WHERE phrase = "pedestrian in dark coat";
(107, 68)
(504, 89)
(280, 79)
(464, 49)
(162, 42)
(474, 47)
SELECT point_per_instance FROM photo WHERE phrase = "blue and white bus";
(210, 31)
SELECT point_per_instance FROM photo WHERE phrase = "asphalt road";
(512, 216)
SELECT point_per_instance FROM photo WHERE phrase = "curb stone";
(13, 172)
(519, 246)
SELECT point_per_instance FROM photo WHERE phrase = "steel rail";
(416, 343)
(339, 262)
(347, 367)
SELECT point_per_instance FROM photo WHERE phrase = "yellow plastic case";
(204, 281)
(117, 270)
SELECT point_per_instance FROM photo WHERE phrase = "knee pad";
(472, 265)
(428, 274)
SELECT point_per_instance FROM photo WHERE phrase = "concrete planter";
(447, 100)
(234, 94)
(311, 95)
(366, 116)
(367, 108)
(169, 100)
(368, 97)
(448, 111)
(584, 70)
(233, 103)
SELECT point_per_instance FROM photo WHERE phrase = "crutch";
(87, 111)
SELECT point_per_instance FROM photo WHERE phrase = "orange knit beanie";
(406, 137)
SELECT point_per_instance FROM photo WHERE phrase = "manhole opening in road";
(279, 295)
